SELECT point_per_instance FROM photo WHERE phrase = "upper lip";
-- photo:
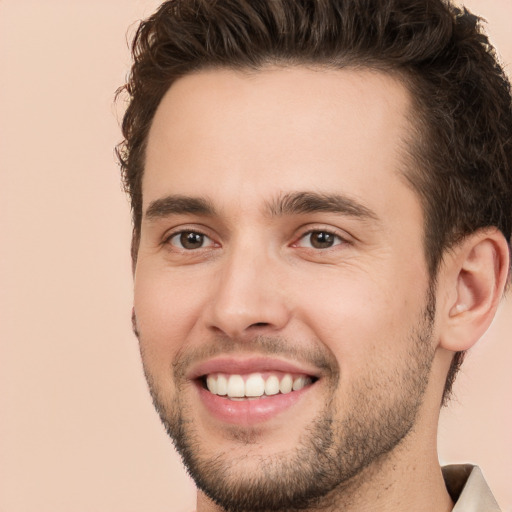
(244, 365)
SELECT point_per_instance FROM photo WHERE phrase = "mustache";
(314, 354)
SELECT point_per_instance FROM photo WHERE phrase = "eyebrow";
(309, 202)
(176, 205)
(295, 203)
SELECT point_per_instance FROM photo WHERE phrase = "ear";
(473, 277)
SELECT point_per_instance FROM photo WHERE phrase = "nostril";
(259, 324)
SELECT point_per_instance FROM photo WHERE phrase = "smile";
(255, 385)
(248, 391)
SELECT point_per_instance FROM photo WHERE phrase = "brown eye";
(319, 240)
(190, 240)
(322, 240)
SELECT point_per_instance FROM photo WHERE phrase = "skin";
(242, 141)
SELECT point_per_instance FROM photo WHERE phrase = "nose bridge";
(248, 295)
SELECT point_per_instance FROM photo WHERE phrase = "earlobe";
(476, 271)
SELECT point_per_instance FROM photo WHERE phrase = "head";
(455, 159)
(460, 171)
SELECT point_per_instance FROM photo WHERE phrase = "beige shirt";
(468, 489)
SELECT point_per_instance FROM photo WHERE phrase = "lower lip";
(249, 412)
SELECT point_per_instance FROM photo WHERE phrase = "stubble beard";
(333, 456)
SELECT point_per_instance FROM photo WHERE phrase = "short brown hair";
(462, 151)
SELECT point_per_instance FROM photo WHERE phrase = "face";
(281, 292)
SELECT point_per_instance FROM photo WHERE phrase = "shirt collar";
(468, 489)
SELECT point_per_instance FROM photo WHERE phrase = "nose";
(249, 297)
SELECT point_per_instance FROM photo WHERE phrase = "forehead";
(232, 135)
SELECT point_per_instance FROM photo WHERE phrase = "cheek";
(167, 310)
(363, 322)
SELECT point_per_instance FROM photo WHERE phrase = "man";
(321, 194)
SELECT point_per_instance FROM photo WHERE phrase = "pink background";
(77, 429)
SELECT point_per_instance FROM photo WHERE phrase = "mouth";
(255, 386)
(251, 391)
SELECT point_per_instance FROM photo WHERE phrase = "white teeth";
(222, 386)
(236, 387)
(272, 386)
(211, 384)
(286, 384)
(299, 383)
(254, 385)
